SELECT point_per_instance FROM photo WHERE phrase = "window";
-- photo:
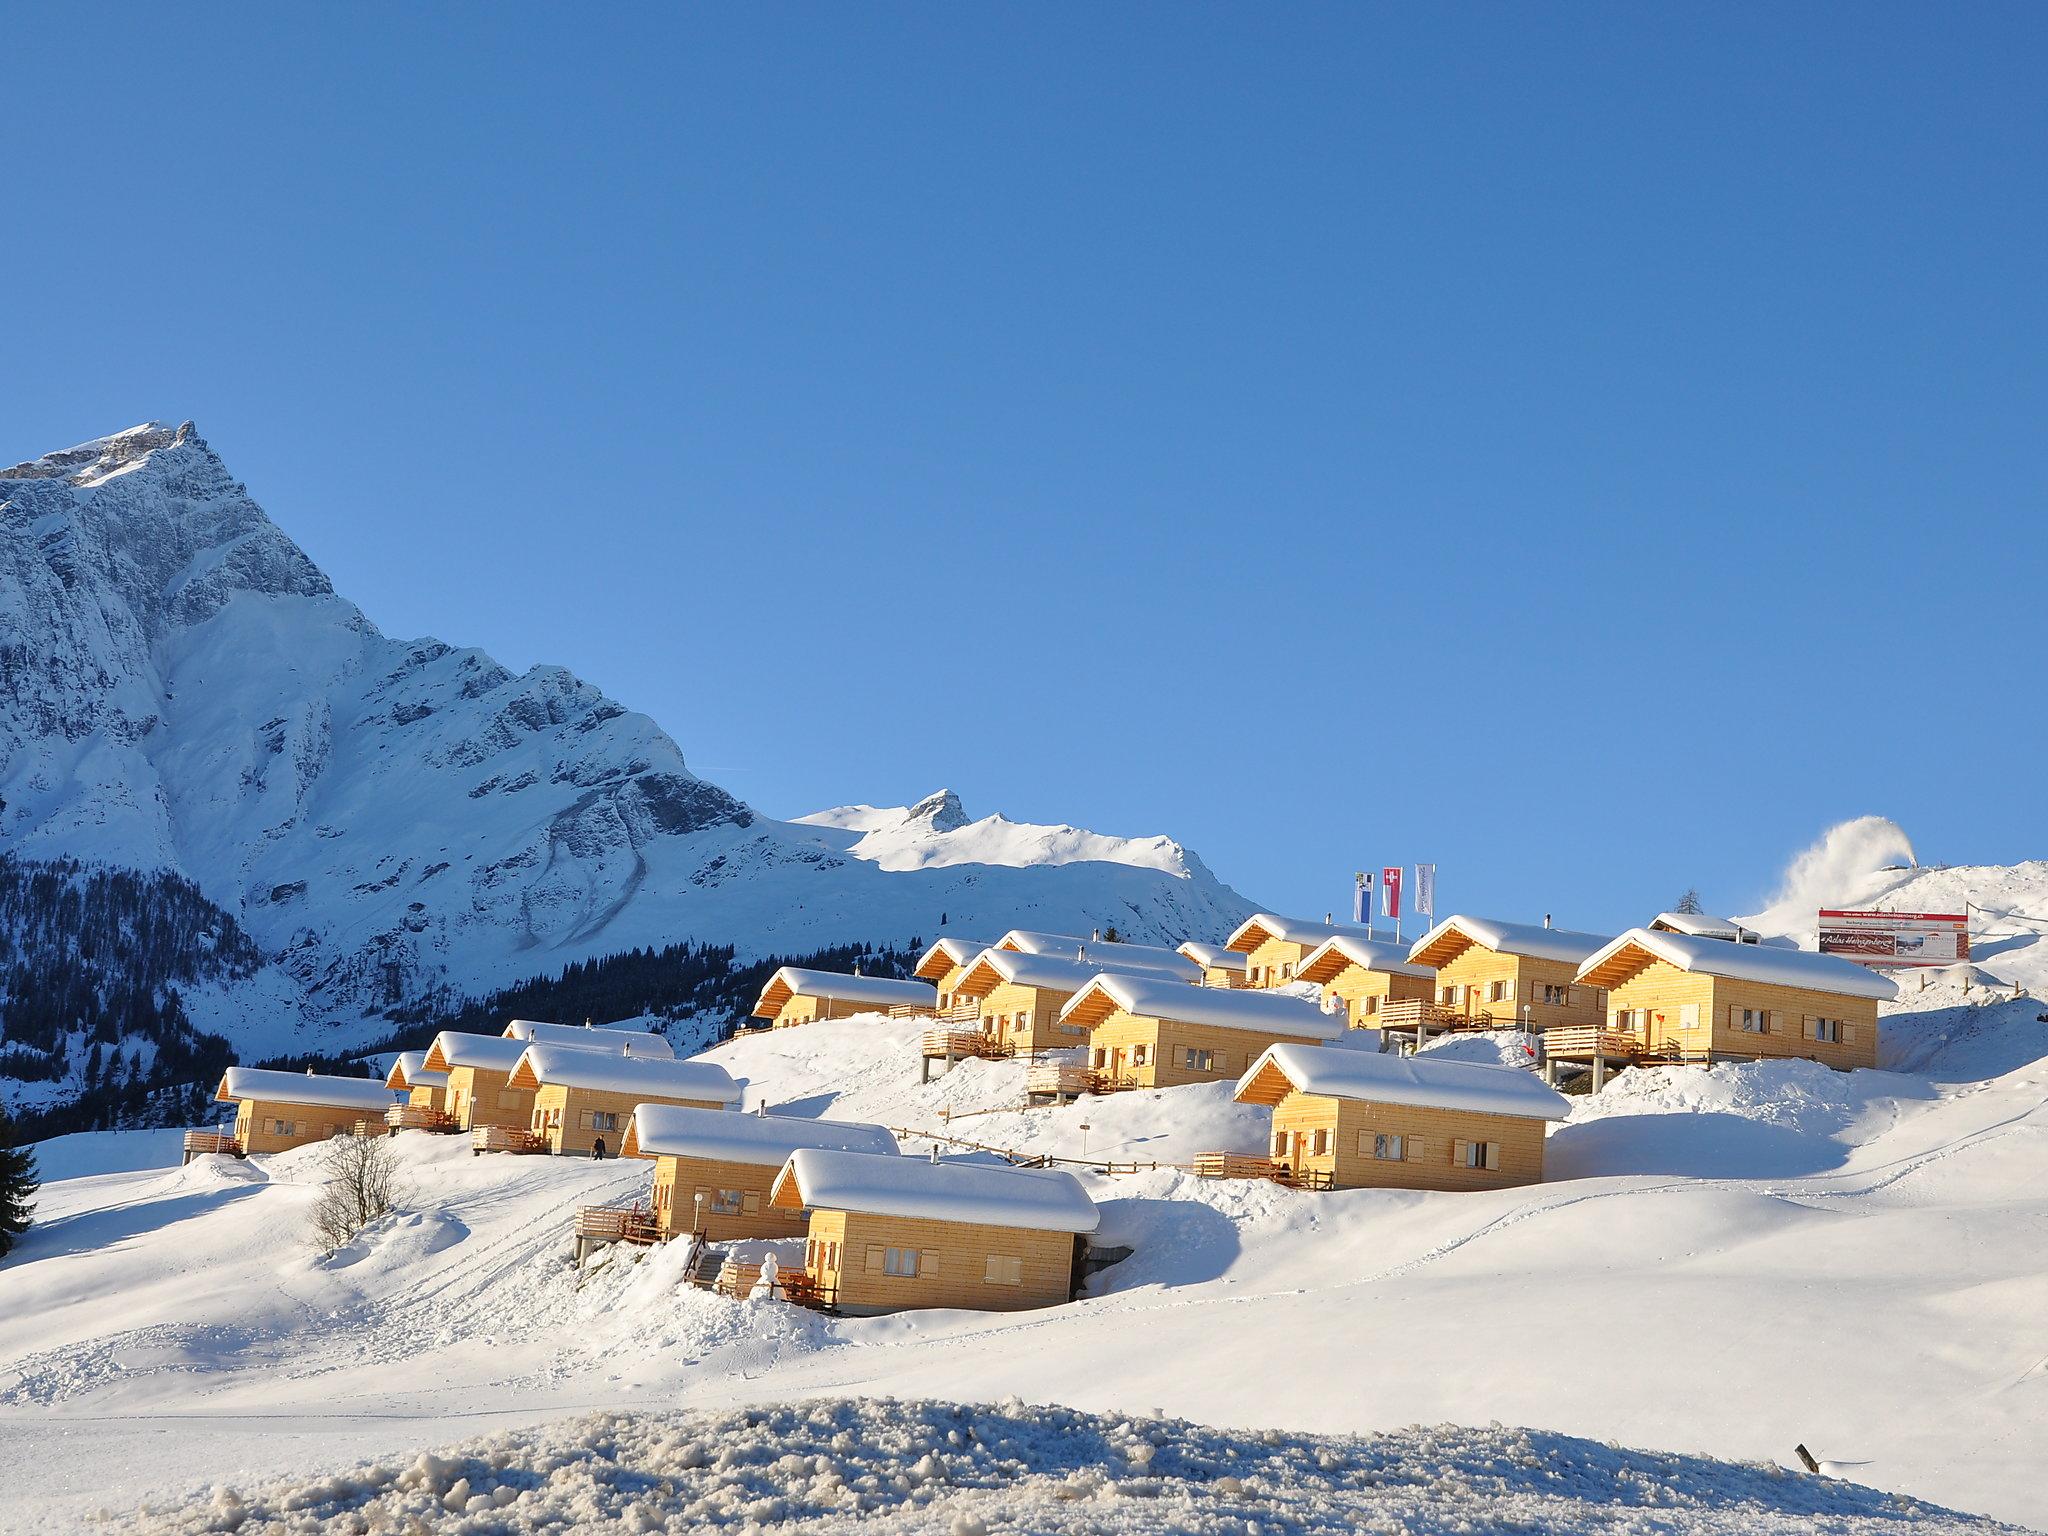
(1138, 1055)
(901, 1262)
(1830, 1030)
(832, 1254)
(1196, 1059)
(604, 1120)
(1751, 1021)
(1557, 996)
(1320, 1145)
(726, 1202)
(1495, 991)
(284, 1127)
(1476, 1154)
(1287, 971)
(1387, 1149)
(1023, 1021)
(1279, 1143)
(1447, 994)
(1003, 1269)
(1688, 1015)
(1371, 1004)
(1101, 1058)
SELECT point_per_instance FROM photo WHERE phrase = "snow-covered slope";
(186, 691)
(1730, 1261)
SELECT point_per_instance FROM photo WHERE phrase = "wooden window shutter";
(1411, 1149)
(928, 1262)
(1460, 1150)
(1848, 1034)
(751, 1201)
(876, 1258)
(1493, 1156)
(1806, 1030)
(1507, 990)
(1777, 1022)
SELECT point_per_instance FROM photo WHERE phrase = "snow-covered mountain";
(182, 689)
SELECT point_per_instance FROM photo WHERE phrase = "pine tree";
(1689, 902)
(17, 1182)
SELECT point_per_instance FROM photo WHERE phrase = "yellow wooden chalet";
(1359, 976)
(1511, 975)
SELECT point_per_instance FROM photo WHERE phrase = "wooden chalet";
(592, 1037)
(1496, 975)
(480, 1091)
(1150, 1032)
(276, 1111)
(584, 1099)
(944, 964)
(1103, 954)
(713, 1170)
(1701, 926)
(1681, 997)
(886, 1234)
(1352, 1119)
(795, 995)
(425, 1105)
(1274, 947)
(1221, 965)
(1359, 975)
(1019, 997)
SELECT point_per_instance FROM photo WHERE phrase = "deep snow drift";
(966, 1470)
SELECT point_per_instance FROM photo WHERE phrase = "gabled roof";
(1213, 956)
(1391, 1079)
(993, 967)
(564, 1066)
(944, 955)
(410, 1071)
(1457, 933)
(1327, 960)
(1155, 997)
(877, 991)
(361, 1093)
(590, 1037)
(719, 1136)
(1701, 926)
(1103, 954)
(987, 1194)
(487, 1053)
(1261, 926)
(1763, 963)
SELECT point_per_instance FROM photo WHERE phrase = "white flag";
(1425, 889)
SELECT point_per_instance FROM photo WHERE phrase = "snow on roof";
(1103, 954)
(488, 1053)
(1392, 1079)
(1213, 956)
(1700, 925)
(882, 991)
(989, 1194)
(1765, 963)
(302, 1088)
(1328, 958)
(944, 955)
(593, 1037)
(1531, 940)
(677, 1130)
(1052, 973)
(565, 1066)
(1260, 926)
(410, 1071)
(1155, 997)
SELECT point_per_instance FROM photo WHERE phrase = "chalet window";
(1495, 991)
(1198, 1060)
(1557, 996)
(727, 1202)
(1448, 995)
(1688, 1015)
(1751, 1021)
(1476, 1154)
(1003, 1269)
(1279, 1143)
(604, 1120)
(1023, 1021)
(1320, 1146)
(1138, 1055)
(284, 1127)
(1829, 1030)
(1371, 1004)
(1287, 971)
(901, 1262)
(1387, 1149)
(1101, 1057)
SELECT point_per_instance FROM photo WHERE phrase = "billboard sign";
(1890, 940)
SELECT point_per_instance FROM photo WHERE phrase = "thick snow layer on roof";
(883, 991)
(956, 951)
(1269, 1013)
(1289, 930)
(992, 1194)
(488, 1053)
(1103, 954)
(303, 1088)
(675, 1130)
(1059, 975)
(1213, 956)
(629, 1042)
(1392, 1079)
(1370, 953)
(1765, 963)
(602, 1072)
(1697, 923)
(410, 1071)
(1530, 939)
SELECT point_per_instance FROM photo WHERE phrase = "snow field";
(959, 1470)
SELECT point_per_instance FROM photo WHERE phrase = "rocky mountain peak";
(941, 811)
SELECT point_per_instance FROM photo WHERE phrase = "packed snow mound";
(955, 1469)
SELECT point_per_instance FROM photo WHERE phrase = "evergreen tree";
(1689, 902)
(17, 1183)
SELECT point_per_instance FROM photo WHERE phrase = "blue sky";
(1591, 447)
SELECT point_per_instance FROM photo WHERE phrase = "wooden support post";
(1599, 1067)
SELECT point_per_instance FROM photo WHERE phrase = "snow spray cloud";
(1838, 864)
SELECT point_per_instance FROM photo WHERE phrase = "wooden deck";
(204, 1143)
(965, 1044)
(504, 1138)
(1060, 1082)
(1406, 1014)
(1238, 1165)
(599, 1225)
(417, 1117)
(958, 1013)
(1582, 1042)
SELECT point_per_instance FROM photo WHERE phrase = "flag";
(1425, 890)
(1390, 891)
(1361, 900)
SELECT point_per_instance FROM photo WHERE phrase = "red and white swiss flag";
(1390, 891)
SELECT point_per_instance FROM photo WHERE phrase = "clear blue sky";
(1591, 446)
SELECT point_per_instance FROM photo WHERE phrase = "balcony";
(417, 1117)
(505, 1138)
(205, 1143)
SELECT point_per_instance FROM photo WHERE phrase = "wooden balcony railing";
(1412, 1013)
(961, 1044)
(505, 1138)
(418, 1117)
(958, 1013)
(1566, 1041)
(806, 1289)
(617, 1224)
(1238, 1165)
(202, 1143)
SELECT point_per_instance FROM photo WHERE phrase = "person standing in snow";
(597, 1149)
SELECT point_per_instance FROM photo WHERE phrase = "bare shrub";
(364, 1181)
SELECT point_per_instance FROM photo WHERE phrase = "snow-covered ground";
(1726, 1263)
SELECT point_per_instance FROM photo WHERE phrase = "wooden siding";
(1431, 1140)
(677, 1181)
(257, 1123)
(1272, 962)
(480, 1097)
(958, 1253)
(808, 1010)
(562, 1116)
(1002, 1007)
(1470, 980)
(1655, 998)
(1113, 1045)
(435, 1098)
(1362, 991)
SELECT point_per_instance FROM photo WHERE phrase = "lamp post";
(1084, 1138)
(697, 1228)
